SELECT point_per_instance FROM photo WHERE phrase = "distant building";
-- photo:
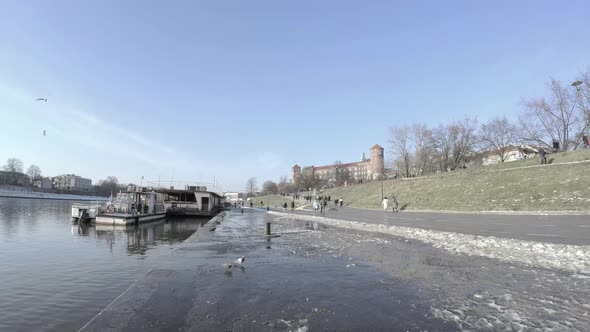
(43, 183)
(232, 197)
(366, 169)
(512, 153)
(72, 182)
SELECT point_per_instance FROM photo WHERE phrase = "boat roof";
(139, 192)
(183, 191)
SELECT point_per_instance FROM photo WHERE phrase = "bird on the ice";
(240, 260)
(227, 266)
(42, 99)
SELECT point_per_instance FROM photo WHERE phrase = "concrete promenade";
(278, 289)
(562, 229)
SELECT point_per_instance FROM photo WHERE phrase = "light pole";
(576, 85)
(382, 179)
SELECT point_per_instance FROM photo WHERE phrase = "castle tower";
(377, 162)
(295, 174)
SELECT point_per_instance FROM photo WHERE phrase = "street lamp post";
(576, 85)
(382, 178)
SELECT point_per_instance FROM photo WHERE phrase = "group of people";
(321, 203)
(394, 204)
(292, 206)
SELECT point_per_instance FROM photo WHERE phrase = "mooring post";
(267, 229)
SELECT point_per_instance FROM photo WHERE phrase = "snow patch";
(545, 255)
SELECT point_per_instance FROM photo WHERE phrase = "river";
(57, 275)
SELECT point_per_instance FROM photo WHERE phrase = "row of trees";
(560, 116)
(14, 175)
(269, 187)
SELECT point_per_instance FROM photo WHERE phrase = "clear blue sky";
(197, 90)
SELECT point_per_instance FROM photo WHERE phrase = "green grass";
(512, 186)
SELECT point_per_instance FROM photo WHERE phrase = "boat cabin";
(136, 202)
(191, 202)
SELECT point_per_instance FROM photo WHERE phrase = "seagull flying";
(41, 99)
(240, 260)
(227, 266)
(44, 132)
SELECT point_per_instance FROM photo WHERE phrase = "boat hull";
(122, 220)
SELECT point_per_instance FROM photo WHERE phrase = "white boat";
(84, 211)
(131, 208)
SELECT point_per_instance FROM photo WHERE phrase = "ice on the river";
(546, 255)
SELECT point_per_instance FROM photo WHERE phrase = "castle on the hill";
(366, 169)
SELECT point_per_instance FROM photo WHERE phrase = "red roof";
(376, 146)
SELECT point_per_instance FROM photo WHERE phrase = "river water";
(55, 275)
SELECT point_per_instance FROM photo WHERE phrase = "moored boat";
(132, 207)
(193, 201)
(84, 211)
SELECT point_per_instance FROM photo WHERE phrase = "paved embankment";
(320, 277)
(575, 258)
(278, 290)
(558, 229)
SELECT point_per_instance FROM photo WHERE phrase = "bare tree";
(269, 187)
(110, 185)
(34, 172)
(555, 118)
(497, 134)
(399, 139)
(423, 150)
(251, 187)
(283, 184)
(465, 134)
(454, 143)
(309, 180)
(341, 174)
(13, 165)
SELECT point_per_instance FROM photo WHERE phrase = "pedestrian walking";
(394, 204)
(341, 201)
(316, 206)
(284, 206)
(542, 156)
(292, 206)
(384, 203)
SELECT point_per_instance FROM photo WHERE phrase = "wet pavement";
(317, 277)
(474, 293)
(280, 289)
(562, 229)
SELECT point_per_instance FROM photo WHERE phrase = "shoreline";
(82, 198)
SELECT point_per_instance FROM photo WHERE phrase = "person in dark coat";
(394, 204)
(542, 156)
(292, 206)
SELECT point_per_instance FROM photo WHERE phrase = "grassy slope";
(500, 187)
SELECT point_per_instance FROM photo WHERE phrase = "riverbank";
(20, 192)
(278, 289)
(320, 276)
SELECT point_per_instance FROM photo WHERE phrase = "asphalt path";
(563, 229)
